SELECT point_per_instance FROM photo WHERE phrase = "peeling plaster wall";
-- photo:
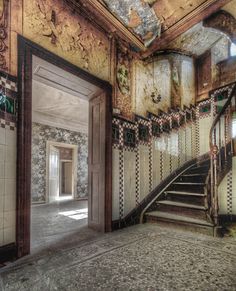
(172, 76)
(54, 26)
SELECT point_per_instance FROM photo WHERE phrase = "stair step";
(180, 204)
(188, 183)
(185, 193)
(193, 175)
(175, 217)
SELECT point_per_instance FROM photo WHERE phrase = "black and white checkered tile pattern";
(229, 193)
(197, 134)
(203, 103)
(137, 168)
(10, 85)
(161, 166)
(179, 148)
(7, 125)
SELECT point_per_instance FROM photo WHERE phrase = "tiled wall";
(40, 135)
(8, 108)
(139, 167)
(227, 192)
(143, 157)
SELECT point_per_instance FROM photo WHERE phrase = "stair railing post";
(214, 180)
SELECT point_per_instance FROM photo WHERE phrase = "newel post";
(214, 183)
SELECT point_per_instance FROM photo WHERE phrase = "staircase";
(184, 202)
(191, 199)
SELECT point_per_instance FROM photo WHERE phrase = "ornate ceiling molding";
(99, 14)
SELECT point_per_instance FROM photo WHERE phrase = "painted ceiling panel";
(138, 15)
(170, 11)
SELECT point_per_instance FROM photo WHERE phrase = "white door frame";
(74, 165)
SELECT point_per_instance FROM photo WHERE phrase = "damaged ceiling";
(148, 19)
(139, 16)
(149, 26)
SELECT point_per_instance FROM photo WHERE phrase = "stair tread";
(186, 193)
(194, 175)
(181, 204)
(176, 217)
(188, 183)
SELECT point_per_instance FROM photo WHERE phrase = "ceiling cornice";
(104, 15)
(197, 15)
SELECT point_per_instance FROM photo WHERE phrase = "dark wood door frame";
(26, 49)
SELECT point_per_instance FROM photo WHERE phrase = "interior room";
(59, 181)
(117, 145)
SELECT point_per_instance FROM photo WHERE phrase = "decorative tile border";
(121, 184)
(229, 193)
(9, 105)
(7, 124)
(8, 84)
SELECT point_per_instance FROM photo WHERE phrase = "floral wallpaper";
(40, 135)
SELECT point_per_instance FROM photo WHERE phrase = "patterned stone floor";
(142, 257)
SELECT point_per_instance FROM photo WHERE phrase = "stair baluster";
(220, 158)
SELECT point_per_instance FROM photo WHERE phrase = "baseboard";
(224, 218)
(8, 253)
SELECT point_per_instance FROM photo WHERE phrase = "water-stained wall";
(171, 77)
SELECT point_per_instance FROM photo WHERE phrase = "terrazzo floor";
(142, 257)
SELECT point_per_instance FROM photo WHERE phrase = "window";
(233, 50)
(234, 125)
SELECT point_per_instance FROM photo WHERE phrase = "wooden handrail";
(219, 115)
(219, 162)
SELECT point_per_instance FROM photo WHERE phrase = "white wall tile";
(2, 136)
(10, 154)
(9, 219)
(1, 236)
(9, 202)
(2, 153)
(1, 221)
(222, 196)
(10, 170)
(2, 170)
(234, 205)
(115, 184)
(2, 189)
(11, 138)
(9, 235)
(129, 181)
(10, 186)
(144, 171)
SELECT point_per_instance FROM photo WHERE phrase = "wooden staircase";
(185, 202)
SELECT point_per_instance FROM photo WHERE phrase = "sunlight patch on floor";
(76, 214)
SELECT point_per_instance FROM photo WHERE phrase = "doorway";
(99, 144)
(62, 172)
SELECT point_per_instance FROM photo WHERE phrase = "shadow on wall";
(40, 135)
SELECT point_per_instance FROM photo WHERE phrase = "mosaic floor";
(143, 257)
